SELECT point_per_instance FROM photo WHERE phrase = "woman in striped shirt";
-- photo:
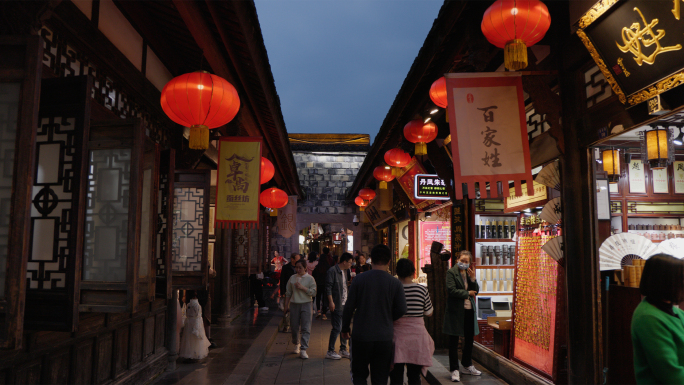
(413, 346)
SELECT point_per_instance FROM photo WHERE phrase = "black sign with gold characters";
(458, 224)
(637, 44)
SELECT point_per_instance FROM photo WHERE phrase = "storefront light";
(611, 164)
(657, 148)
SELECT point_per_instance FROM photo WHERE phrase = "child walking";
(301, 288)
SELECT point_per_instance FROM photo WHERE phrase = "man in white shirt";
(336, 287)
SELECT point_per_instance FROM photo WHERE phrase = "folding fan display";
(552, 211)
(549, 176)
(674, 247)
(619, 250)
(554, 248)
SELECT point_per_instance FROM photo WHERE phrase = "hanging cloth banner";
(488, 132)
(287, 218)
(237, 184)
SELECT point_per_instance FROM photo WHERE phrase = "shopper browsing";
(337, 292)
(658, 326)
(287, 272)
(375, 301)
(413, 346)
(460, 318)
(301, 287)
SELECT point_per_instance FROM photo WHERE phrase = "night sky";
(338, 64)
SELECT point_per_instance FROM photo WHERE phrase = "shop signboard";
(433, 231)
(429, 186)
(678, 168)
(406, 179)
(458, 224)
(237, 184)
(637, 178)
(488, 132)
(638, 45)
(375, 214)
(521, 202)
(660, 185)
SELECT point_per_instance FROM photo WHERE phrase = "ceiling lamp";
(273, 198)
(657, 145)
(397, 159)
(515, 25)
(361, 203)
(420, 133)
(611, 164)
(201, 101)
(267, 170)
(384, 175)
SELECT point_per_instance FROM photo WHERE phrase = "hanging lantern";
(361, 203)
(397, 158)
(367, 194)
(201, 101)
(515, 25)
(273, 198)
(438, 95)
(611, 164)
(420, 133)
(267, 171)
(384, 175)
(657, 145)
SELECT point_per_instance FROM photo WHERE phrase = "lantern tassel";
(199, 137)
(515, 55)
(383, 185)
(421, 148)
(274, 212)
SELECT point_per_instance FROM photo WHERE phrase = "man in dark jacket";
(374, 317)
(285, 274)
(336, 288)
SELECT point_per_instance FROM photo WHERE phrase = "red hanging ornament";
(384, 175)
(273, 198)
(397, 158)
(361, 203)
(438, 92)
(201, 101)
(367, 194)
(420, 133)
(515, 25)
(267, 170)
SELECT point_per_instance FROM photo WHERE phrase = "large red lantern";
(397, 158)
(267, 171)
(384, 175)
(361, 203)
(273, 198)
(367, 194)
(201, 101)
(515, 25)
(438, 92)
(420, 133)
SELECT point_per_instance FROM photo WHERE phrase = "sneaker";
(297, 349)
(318, 314)
(265, 308)
(470, 370)
(323, 317)
(344, 353)
(455, 377)
(333, 356)
(303, 355)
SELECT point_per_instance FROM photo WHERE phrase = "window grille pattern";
(188, 229)
(596, 87)
(162, 229)
(536, 124)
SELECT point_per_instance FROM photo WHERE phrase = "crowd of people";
(388, 338)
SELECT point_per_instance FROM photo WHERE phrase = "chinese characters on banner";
(237, 184)
(660, 181)
(433, 231)
(637, 180)
(287, 218)
(678, 168)
(488, 132)
(458, 236)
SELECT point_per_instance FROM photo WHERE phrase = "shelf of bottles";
(495, 253)
(654, 229)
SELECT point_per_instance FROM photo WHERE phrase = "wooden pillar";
(172, 330)
(436, 277)
(223, 253)
(580, 232)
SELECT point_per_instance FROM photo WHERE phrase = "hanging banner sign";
(521, 202)
(287, 218)
(237, 184)
(488, 132)
(678, 168)
(406, 179)
(458, 225)
(660, 181)
(637, 178)
(375, 211)
(637, 45)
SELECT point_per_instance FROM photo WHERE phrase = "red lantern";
(438, 92)
(397, 158)
(273, 198)
(201, 101)
(367, 194)
(361, 203)
(515, 25)
(420, 133)
(267, 171)
(384, 175)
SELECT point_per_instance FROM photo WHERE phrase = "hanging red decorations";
(384, 175)
(438, 92)
(420, 133)
(273, 198)
(361, 203)
(515, 25)
(367, 194)
(397, 158)
(201, 101)
(267, 170)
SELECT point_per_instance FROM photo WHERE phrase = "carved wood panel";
(103, 352)
(135, 345)
(83, 354)
(29, 373)
(121, 350)
(159, 332)
(58, 367)
(148, 346)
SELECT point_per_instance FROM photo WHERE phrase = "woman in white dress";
(194, 342)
